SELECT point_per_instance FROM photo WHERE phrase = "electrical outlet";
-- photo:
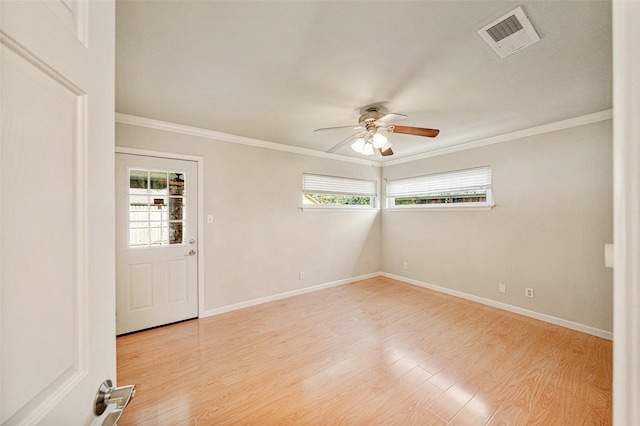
(528, 292)
(302, 275)
(502, 288)
(405, 265)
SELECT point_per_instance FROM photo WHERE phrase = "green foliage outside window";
(448, 198)
(338, 199)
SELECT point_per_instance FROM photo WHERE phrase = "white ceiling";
(277, 70)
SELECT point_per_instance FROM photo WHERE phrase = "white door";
(57, 235)
(156, 241)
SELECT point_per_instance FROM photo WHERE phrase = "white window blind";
(441, 183)
(319, 184)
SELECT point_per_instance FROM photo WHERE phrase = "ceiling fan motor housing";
(370, 116)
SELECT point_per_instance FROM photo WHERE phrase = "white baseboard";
(504, 306)
(253, 302)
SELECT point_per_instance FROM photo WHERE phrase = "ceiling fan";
(368, 139)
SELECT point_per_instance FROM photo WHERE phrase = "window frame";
(488, 204)
(165, 196)
(340, 185)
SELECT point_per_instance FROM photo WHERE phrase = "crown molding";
(538, 130)
(226, 137)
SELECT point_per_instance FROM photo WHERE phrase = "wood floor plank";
(376, 351)
(527, 381)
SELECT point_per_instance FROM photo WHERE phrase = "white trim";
(626, 213)
(159, 154)
(266, 299)
(506, 307)
(226, 137)
(507, 137)
(200, 164)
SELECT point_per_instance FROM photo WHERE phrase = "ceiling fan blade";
(387, 119)
(416, 131)
(339, 127)
(343, 143)
(386, 152)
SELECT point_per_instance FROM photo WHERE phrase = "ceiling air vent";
(509, 33)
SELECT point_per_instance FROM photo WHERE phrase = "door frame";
(626, 213)
(200, 221)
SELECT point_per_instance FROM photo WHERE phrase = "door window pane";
(155, 218)
(138, 207)
(158, 182)
(176, 233)
(139, 234)
(159, 208)
(138, 181)
(158, 233)
(176, 208)
(176, 183)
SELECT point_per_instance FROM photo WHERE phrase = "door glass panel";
(177, 233)
(158, 209)
(139, 234)
(158, 234)
(176, 208)
(158, 182)
(139, 207)
(176, 183)
(138, 181)
(155, 218)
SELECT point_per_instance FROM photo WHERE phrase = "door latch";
(108, 394)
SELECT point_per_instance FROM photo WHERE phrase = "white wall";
(260, 239)
(553, 216)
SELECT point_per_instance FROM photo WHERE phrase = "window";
(320, 191)
(460, 188)
(156, 208)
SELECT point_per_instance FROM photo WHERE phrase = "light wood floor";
(373, 352)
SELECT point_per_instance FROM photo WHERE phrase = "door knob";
(108, 394)
(191, 253)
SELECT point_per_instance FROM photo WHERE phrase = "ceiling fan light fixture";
(368, 149)
(358, 145)
(368, 141)
(379, 140)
